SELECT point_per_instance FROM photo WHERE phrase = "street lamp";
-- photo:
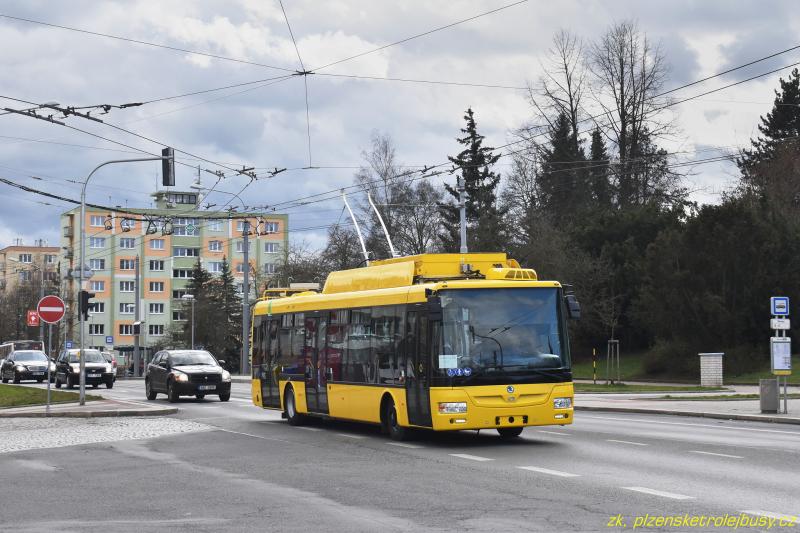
(190, 298)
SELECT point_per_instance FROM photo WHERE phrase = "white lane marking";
(470, 457)
(404, 445)
(249, 435)
(307, 428)
(795, 433)
(554, 432)
(717, 454)
(768, 514)
(350, 436)
(548, 471)
(627, 442)
(661, 493)
(241, 400)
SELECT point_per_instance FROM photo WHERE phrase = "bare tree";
(418, 220)
(343, 250)
(629, 72)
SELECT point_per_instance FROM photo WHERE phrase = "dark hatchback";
(97, 371)
(179, 373)
(25, 365)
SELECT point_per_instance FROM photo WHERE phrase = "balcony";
(68, 231)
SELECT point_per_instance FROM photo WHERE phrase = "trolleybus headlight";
(562, 403)
(226, 376)
(452, 407)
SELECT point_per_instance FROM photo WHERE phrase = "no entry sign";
(51, 309)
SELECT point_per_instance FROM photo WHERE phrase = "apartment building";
(21, 264)
(167, 241)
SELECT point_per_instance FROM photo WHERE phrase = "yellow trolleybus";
(436, 341)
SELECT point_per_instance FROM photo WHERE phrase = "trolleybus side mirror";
(573, 306)
(434, 308)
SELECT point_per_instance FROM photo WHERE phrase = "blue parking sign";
(109, 339)
(68, 344)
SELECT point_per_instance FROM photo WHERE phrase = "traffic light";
(168, 167)
(83, 303)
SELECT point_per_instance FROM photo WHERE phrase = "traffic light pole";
(81, 266)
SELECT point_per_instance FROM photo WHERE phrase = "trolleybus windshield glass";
(501, 331)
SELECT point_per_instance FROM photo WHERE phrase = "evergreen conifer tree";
(485, 229)
(229, 306)
(599, 178)
(563, 186)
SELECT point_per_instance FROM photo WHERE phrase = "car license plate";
(94, 375)
(37, 373)
(207, 387)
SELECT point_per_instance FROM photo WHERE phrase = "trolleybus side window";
(386, 343)
(335, 343)
(359, 341)
(298, 338)
(285, 345)
(258, 353)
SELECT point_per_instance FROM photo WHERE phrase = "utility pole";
(462, 212)
(246, 299)
(41, 295)
(136, 319)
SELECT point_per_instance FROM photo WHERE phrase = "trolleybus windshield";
(503, 333)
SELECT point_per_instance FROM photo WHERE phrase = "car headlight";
(52, 367)
(76, 367)
(21, 368)
(562, 403)
(226, 376)
(109, 368)
(452, 407)
(180, 376)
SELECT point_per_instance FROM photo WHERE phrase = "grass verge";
(621, 387)
(20, 396)
(721, 397)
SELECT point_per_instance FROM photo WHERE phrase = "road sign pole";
(49, 355)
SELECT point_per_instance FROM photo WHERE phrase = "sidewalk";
(649, 403)
(93, 409)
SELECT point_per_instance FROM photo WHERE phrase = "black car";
(186, 373)
(68, 369)
(25, 365)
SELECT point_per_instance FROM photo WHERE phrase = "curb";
(720, 416)
(93, 414)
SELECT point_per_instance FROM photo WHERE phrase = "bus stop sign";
(779, 305)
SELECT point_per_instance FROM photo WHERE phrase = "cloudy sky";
(263, 125)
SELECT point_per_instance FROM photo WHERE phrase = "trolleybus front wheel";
(509, 433)
(292, 416)
(395, 430)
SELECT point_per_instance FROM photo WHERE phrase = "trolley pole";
(462, 213)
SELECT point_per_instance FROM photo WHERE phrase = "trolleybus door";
(417, 359)
(316, 365)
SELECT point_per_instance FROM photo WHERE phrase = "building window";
(97, 221)
(25, 275)
(25, 258)
(127, 308)
(126, 329)
(240, 268)
(127, 223)
(156, 330)
(97, 329)
(240, 246)
(156, 266)
(215, 225)
(186, 252)
(50, 259)
(214, 267)
(97, 242)
(97, 264)
(272, 247)
(270, 268)
(240, 288)
(127, 243)
(185, 226)
(215, 246)
(157, 244)
(127, 286)
(177, 294)
(182, 273)
(270, 227)
(179, 316)
(156, 286)
(97, 307)
(127, 264)
(156, 309)
(240, 226)
(97, 286)
(178, 198)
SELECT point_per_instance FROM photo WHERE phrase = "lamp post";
(190, 298)
(82, 266)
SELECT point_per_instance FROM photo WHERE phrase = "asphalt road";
(249, 470)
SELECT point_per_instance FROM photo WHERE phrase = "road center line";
(661, 493)
(717, 454)
(548, 471)
(308, 428)
(627, 442)
(663, 422)
(470, 457)
(404, 445)
(768, 514)
(554, 432)
(350, 436)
